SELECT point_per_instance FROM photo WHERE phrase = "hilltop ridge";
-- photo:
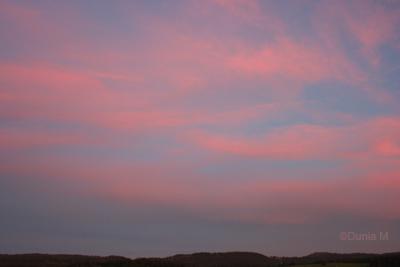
(202, 259)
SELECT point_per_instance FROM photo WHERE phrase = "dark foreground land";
(228, 259)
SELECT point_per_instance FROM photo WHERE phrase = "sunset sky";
(150, 128)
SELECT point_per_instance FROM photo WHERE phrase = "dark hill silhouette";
(231, 259)
(223, 259)
(337, 256)
(45, 260)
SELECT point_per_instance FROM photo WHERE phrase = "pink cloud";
(373, 26)
(295, 142)
(60, 94)
(17, 139)
(247, 10)
(34, 91)
(375, 138)
(388, 148)
(294, 60)
(19, 14)
(370, 23)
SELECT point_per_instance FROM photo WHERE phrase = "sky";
(150, 128)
